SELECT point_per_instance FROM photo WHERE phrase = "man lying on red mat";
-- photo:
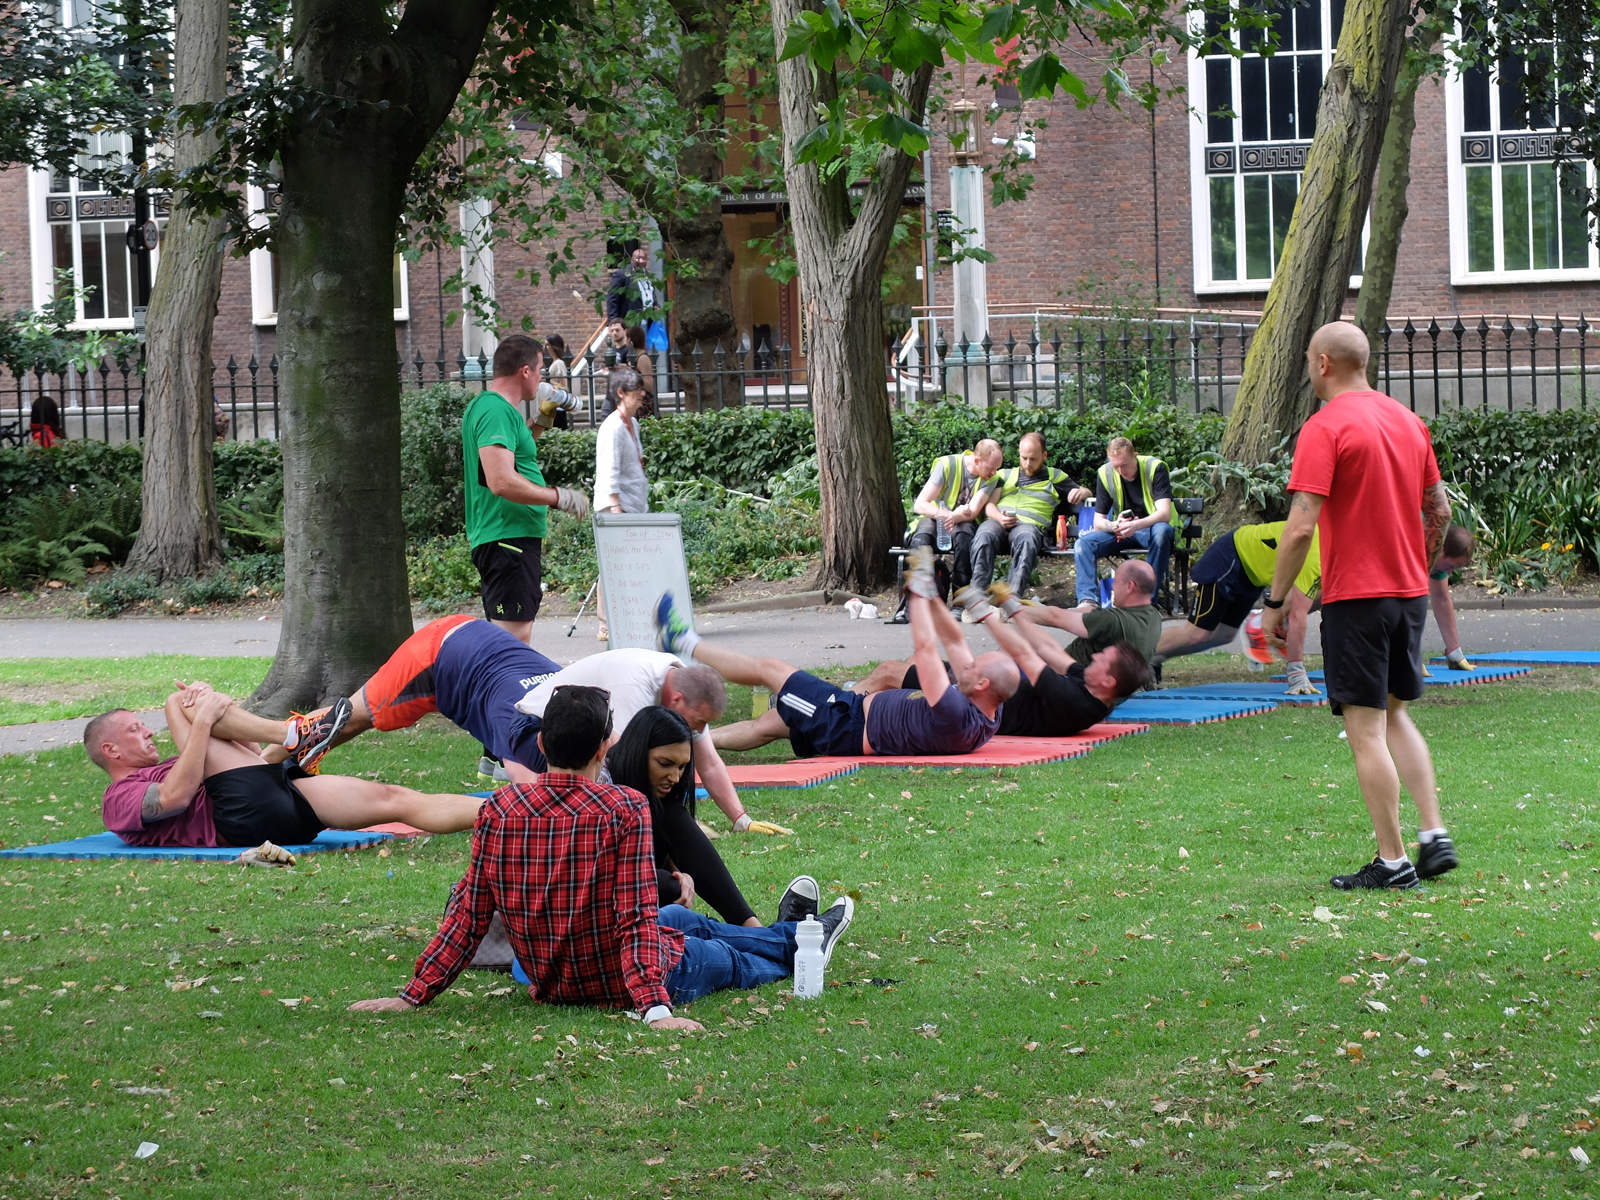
(946, 717)
(1057, 696)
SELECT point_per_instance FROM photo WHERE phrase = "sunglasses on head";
(581, 687)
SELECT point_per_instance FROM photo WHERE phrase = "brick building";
(1186, 209)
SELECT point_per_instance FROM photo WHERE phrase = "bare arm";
(1293, 546)
(713, 773)
(1042, 644)
(1161, 516)
(190, 733)
(500, 471)
(1013, 643)
(1068, 619)
(927, 502)
(1444, 613)
(1299, 609)
(925, 637)
(1435, 520)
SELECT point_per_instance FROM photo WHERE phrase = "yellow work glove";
(745, 825)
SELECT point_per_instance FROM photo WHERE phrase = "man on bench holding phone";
(1133, 511)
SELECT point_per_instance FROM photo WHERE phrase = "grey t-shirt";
(1139, 626)
(969, 482)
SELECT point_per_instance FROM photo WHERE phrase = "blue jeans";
(1095, 545)
(717, 956)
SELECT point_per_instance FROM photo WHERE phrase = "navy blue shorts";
(822, 719)
(1222, 593)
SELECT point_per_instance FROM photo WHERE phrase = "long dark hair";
(629, 759)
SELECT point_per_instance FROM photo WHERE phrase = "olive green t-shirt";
(1139, 626)
(492, 420)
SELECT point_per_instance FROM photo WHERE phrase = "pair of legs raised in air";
(340, 801)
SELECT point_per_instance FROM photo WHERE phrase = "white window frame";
(42, 254)
(1200, 182)
(1456, 167)
(262, 312)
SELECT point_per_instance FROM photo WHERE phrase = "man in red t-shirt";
(224, 793)
(1365, 475)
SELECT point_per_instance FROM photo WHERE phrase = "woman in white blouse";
(620, 485)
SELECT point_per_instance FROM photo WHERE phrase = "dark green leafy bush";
(432, 501)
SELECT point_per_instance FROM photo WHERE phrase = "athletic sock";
(1427, 835)
(291, 735)
(1394, 864)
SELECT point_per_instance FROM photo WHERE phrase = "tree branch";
(885, 194)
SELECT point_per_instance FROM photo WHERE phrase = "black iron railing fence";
(1056, 361)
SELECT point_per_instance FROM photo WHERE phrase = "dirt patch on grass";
(50, 693)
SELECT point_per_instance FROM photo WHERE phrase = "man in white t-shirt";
(639, 678)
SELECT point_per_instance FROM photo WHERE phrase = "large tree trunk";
(179, 533)
(1389, 211)
(703, 304)
(840, 255)
(1324, 241)
(346, 604)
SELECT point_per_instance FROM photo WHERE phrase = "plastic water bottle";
(760, 701)
(808, 959)
(941, 535)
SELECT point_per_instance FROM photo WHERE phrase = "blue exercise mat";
(1278, 693)
(1448, 678)
(1142, 711)
(1541, 658)
(109, 845)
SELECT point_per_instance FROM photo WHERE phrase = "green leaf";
(1000, 24)
(894, 130)
(913, 47)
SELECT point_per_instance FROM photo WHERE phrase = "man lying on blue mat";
(568, 864)
(215, 792)
(943, 718)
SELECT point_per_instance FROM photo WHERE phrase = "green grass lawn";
(52, 689)
(1077, 1007)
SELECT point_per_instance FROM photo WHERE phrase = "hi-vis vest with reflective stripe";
(955, 473)
(1112, 480)
(1033, 502)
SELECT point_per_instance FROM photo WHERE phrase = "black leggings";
(681, 844)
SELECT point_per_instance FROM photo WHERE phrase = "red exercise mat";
(807, 772)
(398, 828)
(997, 752)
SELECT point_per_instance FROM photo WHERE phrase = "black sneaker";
(317, 734)
(801, 898)
(1376, 875)
(1436, 857)
(902, 615)
(1155, 674)
(834, 922)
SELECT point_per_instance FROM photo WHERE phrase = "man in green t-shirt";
(507, 500)
(1132, 618)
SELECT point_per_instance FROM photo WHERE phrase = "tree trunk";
(179, 533)
(840, 255)
(1389, 211)
(1324, 241)
(703, 305)
(346, 603)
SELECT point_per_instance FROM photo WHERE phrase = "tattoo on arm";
(1435, 520)
(1300, 502)
(150, 807)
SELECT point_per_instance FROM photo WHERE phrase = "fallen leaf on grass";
(1311, 1119)
(291, 1002)
(500, 991)
(184, 985)
(1348, 979)
(1377, 1006)
(1322, 913)
(654, 1162)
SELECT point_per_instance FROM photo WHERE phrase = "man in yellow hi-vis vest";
(953, 500)
(1020, 510)
(1133, 510)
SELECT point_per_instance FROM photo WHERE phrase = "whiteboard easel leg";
(582, 606)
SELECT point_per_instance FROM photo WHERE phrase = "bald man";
(1365, 478)
(1132, 617)
(953, 498)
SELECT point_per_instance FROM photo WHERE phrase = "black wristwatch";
(1269, 602)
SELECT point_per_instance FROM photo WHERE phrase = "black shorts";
(251, 805)
(1223, 594)
(1372, 649)
(512, 571)
(822, 719)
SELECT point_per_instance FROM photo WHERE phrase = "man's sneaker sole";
(801, 897)
(309, 757)
(831, 938)
(1436, 857)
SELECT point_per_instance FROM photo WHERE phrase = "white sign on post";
(641, 556)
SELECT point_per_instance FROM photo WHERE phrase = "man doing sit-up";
(945, 717)
(1056, 696)
(216, 792)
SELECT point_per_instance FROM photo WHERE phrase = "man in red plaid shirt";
(567, 862)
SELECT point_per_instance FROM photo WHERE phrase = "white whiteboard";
(641, 556)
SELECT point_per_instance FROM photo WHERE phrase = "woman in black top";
(652, 757)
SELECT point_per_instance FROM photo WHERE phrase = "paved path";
(52, 735)
(808, 637)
